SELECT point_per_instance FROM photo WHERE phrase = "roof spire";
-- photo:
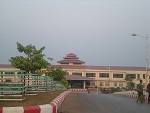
(71, 59)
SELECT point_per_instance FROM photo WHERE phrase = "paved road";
(83, 102)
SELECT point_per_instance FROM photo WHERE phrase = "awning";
(77, 77)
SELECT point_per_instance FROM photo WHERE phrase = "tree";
(57, 74)
(33, 60)
(130, 84)
(65, 82)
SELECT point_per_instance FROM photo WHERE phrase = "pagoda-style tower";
(71, 59)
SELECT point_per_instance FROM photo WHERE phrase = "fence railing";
(16, 85)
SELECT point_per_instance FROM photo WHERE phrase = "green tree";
(65, 82)
(130, 84)
(32, 61)
(57, 74)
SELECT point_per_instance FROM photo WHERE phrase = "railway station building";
(80, 75)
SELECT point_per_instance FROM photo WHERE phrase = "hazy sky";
(97, 31)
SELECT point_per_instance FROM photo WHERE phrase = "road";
(83, 102)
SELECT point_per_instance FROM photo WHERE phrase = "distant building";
(81, 75)
(101, 76)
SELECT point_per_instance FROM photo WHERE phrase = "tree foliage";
(57, 74)
(130, 84)
(65, 82)
(32, 61)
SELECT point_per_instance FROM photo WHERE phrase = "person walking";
(88, 90)
(140, 87)
(148, 91)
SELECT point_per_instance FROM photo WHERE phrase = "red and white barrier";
(132, 94)
(78, 89)
(47, 108)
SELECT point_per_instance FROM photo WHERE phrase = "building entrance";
(76, 83)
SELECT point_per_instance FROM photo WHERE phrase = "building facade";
(78, 74)
(103, 76)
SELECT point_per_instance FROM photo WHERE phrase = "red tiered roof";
(71, 58)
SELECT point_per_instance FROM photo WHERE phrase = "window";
(64, 63)
(77, 74)
(90, 74)
(104, 75)
(143, 76)
(133, 76)
(92, 83)
(67, 73)
(115, 84)
(138, 76)
(120, 84)
(101, 83)
(77, 63)
(117, 75)
(106, 83)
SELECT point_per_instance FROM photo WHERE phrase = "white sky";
(97, 31)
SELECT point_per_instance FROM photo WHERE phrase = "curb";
(130, 95)
(47, 108)
(78, 90)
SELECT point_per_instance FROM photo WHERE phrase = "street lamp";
(146, 37)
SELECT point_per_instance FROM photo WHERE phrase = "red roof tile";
(6, 66)
(123, 68)
(71, 58)
(70, 61)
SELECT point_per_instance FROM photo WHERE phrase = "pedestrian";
(99, 90)
(88, 90)
(148, 91)
(140, 87)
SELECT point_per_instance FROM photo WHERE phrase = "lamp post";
(146, 37)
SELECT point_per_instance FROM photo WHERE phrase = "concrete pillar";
(84, 84)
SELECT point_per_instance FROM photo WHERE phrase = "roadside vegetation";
(33, 61)
(113, 90)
